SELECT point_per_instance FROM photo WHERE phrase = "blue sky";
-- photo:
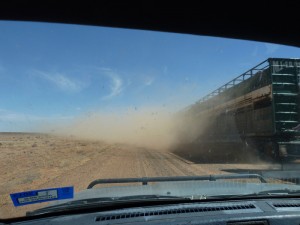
(56, 72)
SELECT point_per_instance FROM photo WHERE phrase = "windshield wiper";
(98, 203)
(266, 193)
(146, 180)
(104, 202)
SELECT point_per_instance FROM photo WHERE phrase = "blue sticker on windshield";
(43, 195)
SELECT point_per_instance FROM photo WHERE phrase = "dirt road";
(36, 161)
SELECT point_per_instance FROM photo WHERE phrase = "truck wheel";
(271, 151)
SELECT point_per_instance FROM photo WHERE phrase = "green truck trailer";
(259, 108)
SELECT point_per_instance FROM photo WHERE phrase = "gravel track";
(34, 161)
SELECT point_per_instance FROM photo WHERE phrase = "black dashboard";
(252, 212)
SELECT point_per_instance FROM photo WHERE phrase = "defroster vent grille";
(285, 205)
(174, 211)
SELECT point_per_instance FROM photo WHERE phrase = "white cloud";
(25, 122)
(271, 48)
(116, 83)
(11, 116)
(62, 81)
(148, 80)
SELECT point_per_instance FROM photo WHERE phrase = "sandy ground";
(36, 161)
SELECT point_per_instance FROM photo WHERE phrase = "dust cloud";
(148, 127)
(181, 132)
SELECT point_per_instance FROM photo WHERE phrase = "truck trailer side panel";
(260, 107)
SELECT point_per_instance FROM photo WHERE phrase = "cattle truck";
(259, 108)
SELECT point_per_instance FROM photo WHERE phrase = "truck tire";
(271, 151)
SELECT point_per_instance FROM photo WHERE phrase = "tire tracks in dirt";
(81, 172)
(141, 164)
(165, 164)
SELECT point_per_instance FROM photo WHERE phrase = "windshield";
(80, 103)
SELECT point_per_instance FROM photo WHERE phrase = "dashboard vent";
(256, 222)
(285, 205)
(174, 211)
